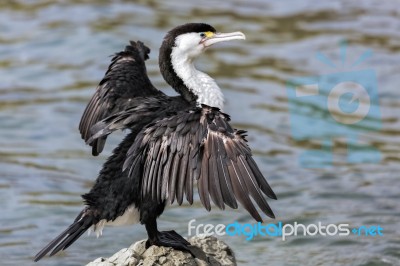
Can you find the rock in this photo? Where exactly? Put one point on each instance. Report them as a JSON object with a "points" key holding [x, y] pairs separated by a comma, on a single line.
{"points": [[215, 249], [207, 249]]}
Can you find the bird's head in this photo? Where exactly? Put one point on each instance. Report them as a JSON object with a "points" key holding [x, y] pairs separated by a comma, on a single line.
{"points": [[193, 38], [180, 47]]}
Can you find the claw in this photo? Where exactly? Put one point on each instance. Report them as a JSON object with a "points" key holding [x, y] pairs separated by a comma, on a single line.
{"points": [[170, 239]]}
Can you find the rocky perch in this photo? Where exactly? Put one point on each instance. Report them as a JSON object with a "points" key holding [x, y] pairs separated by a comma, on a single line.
{"points": [[208, 250]]}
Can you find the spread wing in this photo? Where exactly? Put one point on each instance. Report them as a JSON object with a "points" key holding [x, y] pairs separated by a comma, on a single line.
{"points": [[170, 154], [125, 79], [142, 111]]}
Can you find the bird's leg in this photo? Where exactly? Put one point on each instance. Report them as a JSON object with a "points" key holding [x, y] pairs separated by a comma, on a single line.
{"points": [[165, 238], [157, 238]]}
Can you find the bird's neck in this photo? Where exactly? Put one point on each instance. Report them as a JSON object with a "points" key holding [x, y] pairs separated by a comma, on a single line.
{"points": [[201, 84], [179, 71]]}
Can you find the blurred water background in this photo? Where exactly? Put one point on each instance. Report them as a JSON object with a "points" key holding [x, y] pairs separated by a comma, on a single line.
{"points": [[53, 54]]}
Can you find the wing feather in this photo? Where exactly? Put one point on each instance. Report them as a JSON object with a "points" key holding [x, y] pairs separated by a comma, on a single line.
{"points": [[174, 155], [241, 193], [260, 179], [213, 174], [173, 177], [125, 79], [252, 186], [166, 176], [189, 184], [203, 185], [156, 184], [226, 183]]}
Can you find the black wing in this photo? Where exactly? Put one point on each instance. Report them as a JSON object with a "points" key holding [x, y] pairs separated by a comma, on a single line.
{"points": [[125, 79], [198, 145], [142, 111]]}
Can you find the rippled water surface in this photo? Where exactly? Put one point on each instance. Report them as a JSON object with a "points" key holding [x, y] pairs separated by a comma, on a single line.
{"points": [[52, 55]]}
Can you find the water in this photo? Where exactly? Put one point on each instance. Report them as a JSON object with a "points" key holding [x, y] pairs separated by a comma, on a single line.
{"points": [[52, 55]]}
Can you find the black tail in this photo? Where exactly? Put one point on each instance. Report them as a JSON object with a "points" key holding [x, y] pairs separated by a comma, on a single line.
{"points": [[82, 223]]}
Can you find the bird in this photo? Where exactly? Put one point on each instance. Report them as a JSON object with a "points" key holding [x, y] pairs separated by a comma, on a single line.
{"points": [[173, 143]]}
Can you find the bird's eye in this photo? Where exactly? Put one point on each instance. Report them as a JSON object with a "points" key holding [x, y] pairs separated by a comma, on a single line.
{"points": [[202, 34]]}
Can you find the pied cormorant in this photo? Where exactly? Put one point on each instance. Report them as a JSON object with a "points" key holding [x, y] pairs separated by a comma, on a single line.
{"points": [[173, 142]]}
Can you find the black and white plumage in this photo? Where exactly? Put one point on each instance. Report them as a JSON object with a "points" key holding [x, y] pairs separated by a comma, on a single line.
{"points": [[174, 143]]}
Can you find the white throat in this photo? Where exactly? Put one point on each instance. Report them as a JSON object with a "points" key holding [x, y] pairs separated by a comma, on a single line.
{"points": [[196, 81]]}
